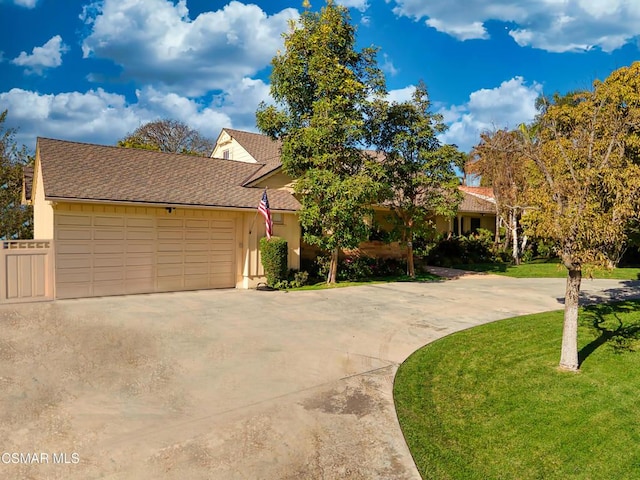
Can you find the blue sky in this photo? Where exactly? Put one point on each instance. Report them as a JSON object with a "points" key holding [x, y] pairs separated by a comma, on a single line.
{"points": [[94, 71]]}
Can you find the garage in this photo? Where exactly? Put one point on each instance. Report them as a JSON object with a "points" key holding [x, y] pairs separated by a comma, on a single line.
{"points": [[125, 250]]}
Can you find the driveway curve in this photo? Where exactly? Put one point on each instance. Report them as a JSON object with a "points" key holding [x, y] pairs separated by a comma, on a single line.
{"points": [[234, 384]]}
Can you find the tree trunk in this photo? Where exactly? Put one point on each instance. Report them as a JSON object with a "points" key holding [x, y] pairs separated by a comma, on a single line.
{"points": [[569, 353], [410, 266], [333, 266], [514, 238]]}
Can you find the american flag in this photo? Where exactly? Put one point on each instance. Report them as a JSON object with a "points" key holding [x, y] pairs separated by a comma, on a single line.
{"points": [[263, 208]]}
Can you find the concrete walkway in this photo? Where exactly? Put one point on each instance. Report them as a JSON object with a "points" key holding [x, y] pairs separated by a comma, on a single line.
{"points": [[234, 384]]}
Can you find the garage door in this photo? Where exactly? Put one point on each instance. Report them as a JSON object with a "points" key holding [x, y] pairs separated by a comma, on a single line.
{"points": [[99, 254]]}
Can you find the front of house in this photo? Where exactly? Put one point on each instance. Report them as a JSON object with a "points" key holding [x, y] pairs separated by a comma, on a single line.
{"points": [[127, 221]]}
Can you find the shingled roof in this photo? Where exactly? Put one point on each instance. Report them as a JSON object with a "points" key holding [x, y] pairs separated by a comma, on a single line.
{"points": [[265, 150], [81, 171]]}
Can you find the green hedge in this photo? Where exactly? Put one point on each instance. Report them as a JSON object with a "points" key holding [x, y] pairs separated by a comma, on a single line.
{"points": [[274, 254]]}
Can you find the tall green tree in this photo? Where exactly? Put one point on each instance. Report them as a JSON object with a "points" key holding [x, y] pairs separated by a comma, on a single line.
{"points": [[586, 181], [322, 86], [418, 171], [171, 136], [16, 220]]}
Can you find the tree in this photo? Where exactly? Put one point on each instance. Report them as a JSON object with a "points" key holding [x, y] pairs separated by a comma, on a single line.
{"points": [[322, 86], [418, 170], [16, 220], [498, 160], [586, 181], [170, 136]]}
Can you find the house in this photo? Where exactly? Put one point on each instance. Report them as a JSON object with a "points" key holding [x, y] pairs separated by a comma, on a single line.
{"points": [[138, 221]]}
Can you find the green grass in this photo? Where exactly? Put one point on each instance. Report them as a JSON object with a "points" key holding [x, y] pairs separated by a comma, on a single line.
{"points": [[490, 403], [549, 270], [420, 277]]}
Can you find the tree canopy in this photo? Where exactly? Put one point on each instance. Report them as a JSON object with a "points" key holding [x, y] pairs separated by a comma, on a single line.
{"points": [[585, 184], [16, 220], [419, 172], [171, 136], [321, 85]]}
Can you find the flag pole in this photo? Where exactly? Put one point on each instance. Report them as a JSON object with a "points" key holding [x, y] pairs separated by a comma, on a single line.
{"points": [[255, 216]]}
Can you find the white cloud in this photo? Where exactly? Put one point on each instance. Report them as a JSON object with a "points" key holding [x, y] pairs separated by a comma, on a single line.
{"points": [[47, 56], [506, 106], [361, 5], [387, 66], [401, 95], [552, 25], [26, 3], [101, 117], [155, 42]]}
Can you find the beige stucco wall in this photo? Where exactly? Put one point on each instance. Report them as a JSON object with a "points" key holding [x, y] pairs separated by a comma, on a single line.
{"points": [[42, 209], [254, 230]]}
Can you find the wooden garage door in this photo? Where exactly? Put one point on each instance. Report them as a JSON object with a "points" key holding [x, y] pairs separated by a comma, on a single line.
{"points": [[100, 254]]}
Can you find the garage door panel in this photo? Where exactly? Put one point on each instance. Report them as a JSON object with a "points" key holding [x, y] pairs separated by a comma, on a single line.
{"points": [[80, 220], [196, 223], [108, 221], [101, 274], [148, 235], [145, 259], [108, 261], [73, 234], [170, 235], [139, 273], [165, 259], [73, 275], [170, 246], [170, 223], [169, 270], [196, 269], [73, 248], [147, 222], [196, 235], [102, 247], [196, 246], [140, 248], [107, 288], [105, 254]]}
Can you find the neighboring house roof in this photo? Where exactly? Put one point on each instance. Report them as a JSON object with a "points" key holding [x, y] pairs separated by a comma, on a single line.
{"points": [[27, 183], [262, 148], [80, 171], [477, 200]]}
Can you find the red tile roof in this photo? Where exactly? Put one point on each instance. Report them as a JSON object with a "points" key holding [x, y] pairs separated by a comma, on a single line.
{"points": [[80, 171]]}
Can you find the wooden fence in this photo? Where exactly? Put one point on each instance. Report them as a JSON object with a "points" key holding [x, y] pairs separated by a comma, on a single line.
{"points": [[27, 271]]}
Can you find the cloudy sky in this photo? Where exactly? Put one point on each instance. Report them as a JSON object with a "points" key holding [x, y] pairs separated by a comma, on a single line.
{"points": [[94, 71]]}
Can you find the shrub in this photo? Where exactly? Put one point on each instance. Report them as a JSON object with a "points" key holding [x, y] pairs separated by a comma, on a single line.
{"points": [[274, 256]]}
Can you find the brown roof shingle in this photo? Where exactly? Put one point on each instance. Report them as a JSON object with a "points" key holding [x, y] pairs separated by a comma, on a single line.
{"points": [[83, 171]]}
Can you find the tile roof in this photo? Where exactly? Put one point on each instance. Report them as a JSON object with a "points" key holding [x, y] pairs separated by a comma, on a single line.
{"points": [[83, 171], [265, 150], [474, 202], [481, 191]]}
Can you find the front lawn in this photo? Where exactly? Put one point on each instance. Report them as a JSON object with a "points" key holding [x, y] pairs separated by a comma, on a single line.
{"points": [[489, 403], [548, 270]]}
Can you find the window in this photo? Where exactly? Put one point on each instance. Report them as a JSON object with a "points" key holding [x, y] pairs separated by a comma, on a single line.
{"points": [[226, 154], [277, 218], [475, 224]]}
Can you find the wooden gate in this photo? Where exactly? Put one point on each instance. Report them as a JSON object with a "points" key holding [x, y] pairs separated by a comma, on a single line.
{"points": [[27, 271]]}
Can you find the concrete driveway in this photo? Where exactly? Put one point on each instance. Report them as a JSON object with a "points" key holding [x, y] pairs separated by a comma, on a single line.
{"points": [[232, 384]]}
